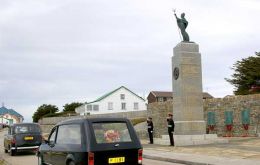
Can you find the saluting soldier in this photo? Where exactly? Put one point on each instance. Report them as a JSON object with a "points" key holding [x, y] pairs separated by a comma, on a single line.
{"points": [[171, 126], [150, 129]]}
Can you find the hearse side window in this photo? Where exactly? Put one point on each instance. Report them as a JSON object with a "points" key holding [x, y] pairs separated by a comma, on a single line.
{"points": [[69, 134], [111, 132], [52, 136]]}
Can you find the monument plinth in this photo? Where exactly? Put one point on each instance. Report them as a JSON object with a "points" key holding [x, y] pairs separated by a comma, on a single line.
{"points": [[187, 90], [188, 114]]}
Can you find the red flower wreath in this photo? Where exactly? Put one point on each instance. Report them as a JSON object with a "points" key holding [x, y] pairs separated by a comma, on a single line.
{"points": [[111, 136], [229, 127], [245, 126]]}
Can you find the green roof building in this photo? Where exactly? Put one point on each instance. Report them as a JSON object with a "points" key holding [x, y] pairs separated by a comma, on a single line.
{"points": [[10, 116], [119, 100]]}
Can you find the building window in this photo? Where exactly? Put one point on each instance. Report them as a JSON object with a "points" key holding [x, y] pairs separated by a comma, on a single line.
{"points": [[95, 107], [123, 106], [86, 113], [160, 99], [89, 107], [136, 106], [110, 106], [122, 96]]}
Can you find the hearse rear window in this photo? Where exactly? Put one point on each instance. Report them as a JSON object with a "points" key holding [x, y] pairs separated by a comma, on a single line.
{"points": [[26, 128], [111, 132]]}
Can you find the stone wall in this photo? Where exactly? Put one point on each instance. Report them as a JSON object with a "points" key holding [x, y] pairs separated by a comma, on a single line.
{"points": [[159, 111], [48, 123], [235, 104]]}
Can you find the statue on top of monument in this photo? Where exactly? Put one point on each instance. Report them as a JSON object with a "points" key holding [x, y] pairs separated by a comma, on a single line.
{"points": [[182, 24]]}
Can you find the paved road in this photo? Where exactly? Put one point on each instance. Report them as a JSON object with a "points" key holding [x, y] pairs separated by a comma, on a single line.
{"points": [[156, 162], [29, 158], [21, 159]]}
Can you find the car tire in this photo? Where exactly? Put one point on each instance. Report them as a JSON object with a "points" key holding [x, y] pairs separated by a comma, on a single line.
{"points": [[12, 152], [71, 163]]}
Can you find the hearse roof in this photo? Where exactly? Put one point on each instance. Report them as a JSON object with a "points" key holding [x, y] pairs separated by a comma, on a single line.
{"points": [[100, 119]]}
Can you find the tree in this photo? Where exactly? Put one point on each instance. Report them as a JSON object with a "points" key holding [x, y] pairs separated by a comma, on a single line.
{"points": [[44, 110], [71, 107], [246, 78]]}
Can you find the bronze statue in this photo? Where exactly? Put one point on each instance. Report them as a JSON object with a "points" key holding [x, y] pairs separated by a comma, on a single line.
{"points": [[182, 24]]}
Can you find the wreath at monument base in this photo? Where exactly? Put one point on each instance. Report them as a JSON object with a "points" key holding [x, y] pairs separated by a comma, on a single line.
{"points": [[229, 127], [211, 127], [246, 126]]}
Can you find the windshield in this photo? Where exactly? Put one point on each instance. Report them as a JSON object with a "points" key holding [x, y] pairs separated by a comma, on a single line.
{"points": [[111, 132], [27, 128]]}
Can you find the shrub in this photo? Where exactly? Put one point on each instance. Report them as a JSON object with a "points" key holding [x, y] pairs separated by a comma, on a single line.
{"points": [[138, 120]]}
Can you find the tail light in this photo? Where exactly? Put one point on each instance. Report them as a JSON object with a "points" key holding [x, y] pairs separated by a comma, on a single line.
{"points": [[140, 156], [90, 158]]}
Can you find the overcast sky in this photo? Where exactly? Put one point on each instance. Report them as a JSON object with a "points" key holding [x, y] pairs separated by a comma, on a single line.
{"points": [[63, 51]]}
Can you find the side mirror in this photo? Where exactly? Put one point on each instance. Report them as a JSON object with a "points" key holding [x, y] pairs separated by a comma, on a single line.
{"points": [[51, 143]]}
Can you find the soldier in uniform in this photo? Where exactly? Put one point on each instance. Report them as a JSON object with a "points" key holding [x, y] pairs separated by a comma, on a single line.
{"points": [[150, 129], [170, 128]]}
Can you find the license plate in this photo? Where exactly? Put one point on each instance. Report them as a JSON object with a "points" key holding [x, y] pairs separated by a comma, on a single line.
{"points": [[116, 160], [28, 138]]}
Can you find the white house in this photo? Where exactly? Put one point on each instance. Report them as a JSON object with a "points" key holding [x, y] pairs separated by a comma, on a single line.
{"points": [[118, 100]]}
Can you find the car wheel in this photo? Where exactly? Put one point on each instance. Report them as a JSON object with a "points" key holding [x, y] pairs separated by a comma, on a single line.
{"points": [[71, 163], [12, 152]]}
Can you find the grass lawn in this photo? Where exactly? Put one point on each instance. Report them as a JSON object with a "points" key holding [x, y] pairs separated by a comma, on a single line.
{"points": [[2, 162]]}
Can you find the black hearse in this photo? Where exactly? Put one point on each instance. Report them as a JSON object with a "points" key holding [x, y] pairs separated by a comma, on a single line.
{"points": [[92, 141], [22, 137]]}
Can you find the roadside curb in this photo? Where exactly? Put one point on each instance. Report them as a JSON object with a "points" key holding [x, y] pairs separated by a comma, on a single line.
{"points": [[173, 160]]}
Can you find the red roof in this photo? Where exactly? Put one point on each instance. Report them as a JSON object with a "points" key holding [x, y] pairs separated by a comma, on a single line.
{"points": [[161, 93]]}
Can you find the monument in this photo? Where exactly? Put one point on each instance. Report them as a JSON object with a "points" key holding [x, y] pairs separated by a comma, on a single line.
{"points": [[188, 115], [187, 85]]}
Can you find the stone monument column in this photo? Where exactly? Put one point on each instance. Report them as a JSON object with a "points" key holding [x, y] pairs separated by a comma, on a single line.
{"points": [[188, 112]]}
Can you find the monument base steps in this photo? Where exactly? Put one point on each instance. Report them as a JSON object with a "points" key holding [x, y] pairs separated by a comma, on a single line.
{"points": [[190, 140]]}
